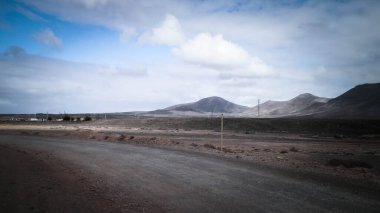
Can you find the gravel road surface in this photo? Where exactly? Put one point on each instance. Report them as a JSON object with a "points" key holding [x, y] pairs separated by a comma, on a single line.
{"points": [[61, 175]]}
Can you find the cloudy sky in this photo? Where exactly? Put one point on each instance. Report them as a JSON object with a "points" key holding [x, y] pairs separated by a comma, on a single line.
{"points": [[112, 56]]}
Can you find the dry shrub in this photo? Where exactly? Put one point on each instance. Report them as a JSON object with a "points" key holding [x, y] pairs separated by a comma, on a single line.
{"points": [[209, 146], [348, 163], [227, 150], [293, 149], [121, 137], [370, 152]]}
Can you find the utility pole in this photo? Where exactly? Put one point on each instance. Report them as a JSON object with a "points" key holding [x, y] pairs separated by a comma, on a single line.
{"points": [[221, 133], [258, 108], [105, 116]]}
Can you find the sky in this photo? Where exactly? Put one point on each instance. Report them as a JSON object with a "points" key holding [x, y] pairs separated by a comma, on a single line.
{"points": [[79, 56]]}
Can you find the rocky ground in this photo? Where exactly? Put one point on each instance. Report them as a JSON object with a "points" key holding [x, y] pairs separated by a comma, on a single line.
{"points": [[352, 159]]}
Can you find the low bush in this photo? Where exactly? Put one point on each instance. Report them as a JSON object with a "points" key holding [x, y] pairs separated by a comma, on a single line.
{"points": [[209, 146], [227, 150], [348, 163], [121, 137], [66, 117]]}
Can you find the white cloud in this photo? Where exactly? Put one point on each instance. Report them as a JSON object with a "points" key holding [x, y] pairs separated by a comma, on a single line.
{"points": [[48, 38], [93, 3], [39, 84], [7, 103], [218, 53], [29, 14], [117, 71], [113, 14], [207, 50], [212, 51], [126, 33], [295, 38], [169, 33]]}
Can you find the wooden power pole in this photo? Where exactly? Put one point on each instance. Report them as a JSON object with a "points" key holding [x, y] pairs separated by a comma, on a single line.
{"points": [[258, 108], [221, 133]]}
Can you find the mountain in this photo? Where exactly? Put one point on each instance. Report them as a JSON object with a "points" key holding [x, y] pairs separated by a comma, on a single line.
{"points": [[209, 105], [286, 108], [361, 102]]}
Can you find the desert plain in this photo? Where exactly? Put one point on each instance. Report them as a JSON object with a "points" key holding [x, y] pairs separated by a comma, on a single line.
{"points": [[337, 154]]}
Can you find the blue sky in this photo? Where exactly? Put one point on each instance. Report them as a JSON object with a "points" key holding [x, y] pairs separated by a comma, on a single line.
{"points": [[112, 56]]}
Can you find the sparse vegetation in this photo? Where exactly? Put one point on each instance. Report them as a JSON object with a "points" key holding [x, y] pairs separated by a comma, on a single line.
{"points": [[209, 146], [227, 150], [87, 118], [348, 163], [370, 152], [66, 117], [121, 137]]}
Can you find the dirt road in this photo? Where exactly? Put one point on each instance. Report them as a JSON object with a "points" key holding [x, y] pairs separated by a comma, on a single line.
{"points": [[44, 175]]}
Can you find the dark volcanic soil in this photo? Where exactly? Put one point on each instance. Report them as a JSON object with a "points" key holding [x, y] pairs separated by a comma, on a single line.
{"points": [[306, 146], [347, 152], [40, 174], [37, 181]]}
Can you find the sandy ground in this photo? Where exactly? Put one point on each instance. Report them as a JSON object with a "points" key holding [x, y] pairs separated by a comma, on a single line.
{"points": [[352, 160]]}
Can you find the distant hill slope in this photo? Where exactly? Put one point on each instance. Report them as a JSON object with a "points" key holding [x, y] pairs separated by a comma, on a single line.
{"points": [[210, 105], [286, 108], [362, 102]]}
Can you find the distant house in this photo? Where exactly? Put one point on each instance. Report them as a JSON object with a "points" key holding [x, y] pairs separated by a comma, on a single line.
{"points": [[38, 119]]}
